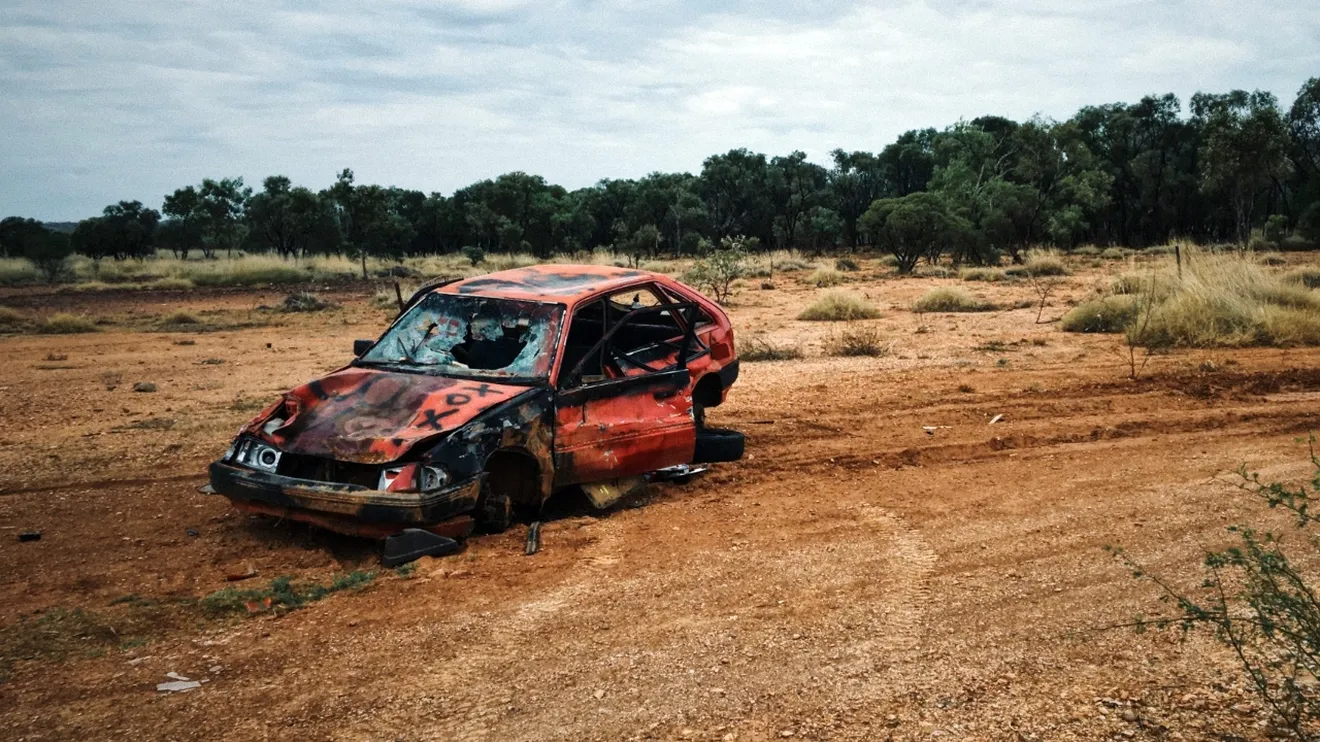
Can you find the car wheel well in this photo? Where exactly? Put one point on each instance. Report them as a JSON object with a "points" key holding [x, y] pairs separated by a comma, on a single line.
{"points": [[516, 474], [709, 391]]}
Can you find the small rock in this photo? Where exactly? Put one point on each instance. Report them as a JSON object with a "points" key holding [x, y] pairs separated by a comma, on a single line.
{"points": [[144, 386], [599, 694], [29, 536], [786, 733], [215, 669], [1128, 715], [177, 686], [193, 532]]}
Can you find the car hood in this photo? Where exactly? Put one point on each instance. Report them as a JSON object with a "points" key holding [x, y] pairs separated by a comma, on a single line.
{"points": [[370, 416]]}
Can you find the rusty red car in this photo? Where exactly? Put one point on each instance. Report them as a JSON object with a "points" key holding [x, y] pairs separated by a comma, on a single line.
{"points": [[485, 396]]}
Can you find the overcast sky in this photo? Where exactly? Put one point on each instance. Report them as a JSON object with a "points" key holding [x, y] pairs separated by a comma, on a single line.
{"points": [[105, 101]]}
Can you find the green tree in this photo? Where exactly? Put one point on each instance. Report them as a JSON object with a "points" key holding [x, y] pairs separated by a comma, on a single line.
{"points": [[16, 232], [49, 251], [182, 231], [1244, 151], [856, 181], [911, 227]]}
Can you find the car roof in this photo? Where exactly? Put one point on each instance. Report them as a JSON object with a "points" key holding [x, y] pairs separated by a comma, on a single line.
{"points": [[554, 282]]}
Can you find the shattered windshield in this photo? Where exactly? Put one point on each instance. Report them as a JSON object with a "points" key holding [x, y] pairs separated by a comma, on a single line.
{"points": [[451, 335]]}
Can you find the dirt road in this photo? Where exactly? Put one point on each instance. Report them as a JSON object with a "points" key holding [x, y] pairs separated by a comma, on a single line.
{"points": [[885, 563]]}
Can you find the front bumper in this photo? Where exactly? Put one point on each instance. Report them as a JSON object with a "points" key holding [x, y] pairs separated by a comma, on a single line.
{"points": [[345, 500]]}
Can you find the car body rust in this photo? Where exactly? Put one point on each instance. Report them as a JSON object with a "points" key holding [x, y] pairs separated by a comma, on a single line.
{"points": [[487, 395]]}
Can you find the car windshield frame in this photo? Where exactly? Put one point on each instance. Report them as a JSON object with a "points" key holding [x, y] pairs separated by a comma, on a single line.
{"points": [[421, 333]]}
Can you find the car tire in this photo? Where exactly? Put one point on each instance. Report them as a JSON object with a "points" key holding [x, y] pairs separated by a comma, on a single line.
{"points": [[717, 444]]}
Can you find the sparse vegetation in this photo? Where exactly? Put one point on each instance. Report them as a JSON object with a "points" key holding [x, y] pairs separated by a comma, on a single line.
{"points": [[951, 299], [1113, 253], [856, 339], [845, 264], [1260, 603], [839, 306], [760, 348], [65, 323], [282, 594]]}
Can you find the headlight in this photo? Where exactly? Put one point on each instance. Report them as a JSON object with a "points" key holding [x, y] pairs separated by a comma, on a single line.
{"points": [[257, 455], [387, 477], [431, 478]]}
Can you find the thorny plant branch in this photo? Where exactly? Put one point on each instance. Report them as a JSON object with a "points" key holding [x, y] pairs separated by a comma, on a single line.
{"points": [[1259, 605]]}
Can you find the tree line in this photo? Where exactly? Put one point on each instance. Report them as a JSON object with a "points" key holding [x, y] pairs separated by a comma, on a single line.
{"points": [[1133, 175]]}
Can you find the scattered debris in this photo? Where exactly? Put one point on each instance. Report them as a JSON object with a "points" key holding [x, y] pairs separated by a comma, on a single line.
{"points": [[996, 419], [212, 361], [533, 539], [304, 302], [206, 489], [144, 386], [194, 532], [29, 536], [413, 544], [681, 474], [177, 684]]}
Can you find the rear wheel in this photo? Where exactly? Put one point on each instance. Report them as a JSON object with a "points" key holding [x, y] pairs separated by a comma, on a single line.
{"points": [[717, 444]]}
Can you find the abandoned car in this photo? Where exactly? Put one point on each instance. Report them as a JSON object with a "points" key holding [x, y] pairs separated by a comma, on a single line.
{"points": [[488, 394]]}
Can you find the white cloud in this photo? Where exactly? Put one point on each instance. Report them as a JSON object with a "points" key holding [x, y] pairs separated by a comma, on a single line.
{"points": [[102, 102]]}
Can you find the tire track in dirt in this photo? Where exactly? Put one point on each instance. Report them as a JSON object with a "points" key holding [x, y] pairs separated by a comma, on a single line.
{"points": [[835, 611]]}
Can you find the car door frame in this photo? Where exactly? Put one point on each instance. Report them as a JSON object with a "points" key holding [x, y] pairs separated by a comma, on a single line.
{"points": [[671, 444]]}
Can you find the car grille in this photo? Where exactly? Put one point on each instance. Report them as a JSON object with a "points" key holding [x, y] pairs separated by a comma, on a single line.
{"points": [[328, 470]]}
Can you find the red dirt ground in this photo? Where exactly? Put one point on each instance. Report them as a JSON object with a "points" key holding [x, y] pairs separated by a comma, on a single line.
{"points": [[854, 577]]}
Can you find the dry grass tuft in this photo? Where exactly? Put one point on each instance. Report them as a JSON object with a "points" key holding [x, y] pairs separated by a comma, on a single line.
{"points": [[1230, 300], [1104, 314], [1308, 277], [839, 306], [951, 299], [990, 275], [1045, 263], [825, 277], [181, 319], [11, 318], [857, 340], [64, 323], [760, 348]]}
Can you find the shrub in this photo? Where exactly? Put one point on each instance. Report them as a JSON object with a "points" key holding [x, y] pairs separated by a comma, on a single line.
{"points": [[1255, 599], [1158, 250], [888, 261], [823, 278], [837, 306], [760, 348], [991, 275], [10, 318], [1045, 263], [1157, 285], [474, 255], [1272, 258], [181, 318], [64, 323], [17, 271], [857, 340], [1105, 314], [845, 264], [1088, 251], [716, 273], [1113, 253], [951, 299]]}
